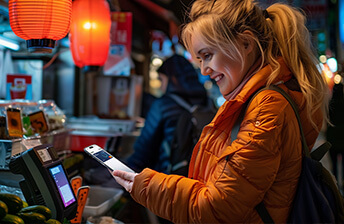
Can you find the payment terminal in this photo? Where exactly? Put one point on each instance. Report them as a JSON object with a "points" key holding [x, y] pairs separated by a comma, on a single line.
{"points": [[45, 181]]}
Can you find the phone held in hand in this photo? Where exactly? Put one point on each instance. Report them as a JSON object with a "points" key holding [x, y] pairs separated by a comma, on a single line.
{"points": [[106, 159]]}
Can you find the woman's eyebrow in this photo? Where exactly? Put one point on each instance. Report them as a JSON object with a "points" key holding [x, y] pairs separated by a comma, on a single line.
{"points": [[201, 50]]}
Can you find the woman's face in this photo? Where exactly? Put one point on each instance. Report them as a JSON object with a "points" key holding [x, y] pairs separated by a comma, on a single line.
{"points": [[226, 72]]}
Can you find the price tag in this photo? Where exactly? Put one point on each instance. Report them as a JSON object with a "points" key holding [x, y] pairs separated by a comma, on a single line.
{"points": [[14, 122], [38, 122], [76, 183], [82, 199]]}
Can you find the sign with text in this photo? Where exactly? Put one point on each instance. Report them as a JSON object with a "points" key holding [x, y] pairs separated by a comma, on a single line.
{"points": [[118, 61], [18, 86]]}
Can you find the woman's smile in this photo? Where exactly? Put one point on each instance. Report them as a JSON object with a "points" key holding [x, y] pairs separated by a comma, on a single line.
{"points": [[218, 77]]}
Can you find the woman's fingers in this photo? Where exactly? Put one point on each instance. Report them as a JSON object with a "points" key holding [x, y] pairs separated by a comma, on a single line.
{"points": [[125, 184], [124, 175], [125, 179]]}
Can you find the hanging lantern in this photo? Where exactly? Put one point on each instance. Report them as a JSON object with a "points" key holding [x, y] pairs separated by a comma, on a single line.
{"points": [[90, 32], [40, 22]]}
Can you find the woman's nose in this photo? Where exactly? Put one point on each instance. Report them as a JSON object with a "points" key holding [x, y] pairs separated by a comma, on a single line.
{"points": [[205, 70]]}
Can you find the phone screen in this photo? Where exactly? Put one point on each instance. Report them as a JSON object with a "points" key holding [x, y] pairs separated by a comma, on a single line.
{"points": [[103, 156], [106, 158]]}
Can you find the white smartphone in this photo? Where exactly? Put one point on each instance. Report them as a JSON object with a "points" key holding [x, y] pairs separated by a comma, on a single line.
{"points": [[106, 158]]}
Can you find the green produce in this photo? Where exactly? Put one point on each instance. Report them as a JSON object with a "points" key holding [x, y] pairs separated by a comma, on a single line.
{"points": [[53, 221], [32, 217], [12, 219], [3, 209], [38, 209], [25, 204], [13, 202]]}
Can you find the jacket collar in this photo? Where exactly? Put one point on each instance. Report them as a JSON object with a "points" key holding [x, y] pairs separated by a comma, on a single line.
{"points": [[256, 82], [259, 80]]}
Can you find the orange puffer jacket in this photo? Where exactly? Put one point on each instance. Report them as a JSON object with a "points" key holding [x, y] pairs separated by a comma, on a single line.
{"points": [[227, 180]]}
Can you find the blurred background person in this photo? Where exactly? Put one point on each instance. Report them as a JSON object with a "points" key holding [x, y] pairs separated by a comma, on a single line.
{"points": [[179, 77], [335, 132]]}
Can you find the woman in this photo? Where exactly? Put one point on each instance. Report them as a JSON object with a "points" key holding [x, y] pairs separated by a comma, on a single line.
{"points": [[243, 48]]}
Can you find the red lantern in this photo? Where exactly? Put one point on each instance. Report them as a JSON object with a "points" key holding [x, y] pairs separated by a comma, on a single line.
{"points": [[90, 32], [40, 22]]}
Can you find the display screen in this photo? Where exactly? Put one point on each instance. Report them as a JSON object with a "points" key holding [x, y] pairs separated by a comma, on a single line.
{"points": [[103, 156], [62, 184]]}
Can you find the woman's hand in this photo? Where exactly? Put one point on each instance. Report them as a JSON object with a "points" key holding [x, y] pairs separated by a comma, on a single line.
{"points": [[126, 179]]}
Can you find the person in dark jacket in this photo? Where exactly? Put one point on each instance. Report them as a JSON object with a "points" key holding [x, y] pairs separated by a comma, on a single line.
{"points": [[163, 114], [335, 131]]}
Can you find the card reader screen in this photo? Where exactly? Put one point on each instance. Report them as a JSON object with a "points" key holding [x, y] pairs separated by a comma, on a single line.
{"points": [[62, 184]]}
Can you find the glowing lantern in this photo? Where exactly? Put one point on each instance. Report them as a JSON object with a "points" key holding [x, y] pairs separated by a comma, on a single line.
{"points": [[90, 32], [40, 22]]}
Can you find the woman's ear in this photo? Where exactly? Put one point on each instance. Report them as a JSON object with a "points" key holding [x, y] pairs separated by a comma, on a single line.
{"points": [[247, 40]]}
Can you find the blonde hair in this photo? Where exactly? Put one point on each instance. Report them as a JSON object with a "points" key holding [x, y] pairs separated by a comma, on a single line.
{"points": [[283, 33]]}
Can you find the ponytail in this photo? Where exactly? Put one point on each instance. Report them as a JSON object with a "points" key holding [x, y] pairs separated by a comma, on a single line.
{"points": [[294, 44]]}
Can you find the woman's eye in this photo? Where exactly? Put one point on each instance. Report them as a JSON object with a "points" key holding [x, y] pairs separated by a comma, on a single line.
{"points": [[206, 56]]}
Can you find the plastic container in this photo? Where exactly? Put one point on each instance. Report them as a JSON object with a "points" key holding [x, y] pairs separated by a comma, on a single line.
{"points": [[100, 200], [81, 139], [88, 131]]}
